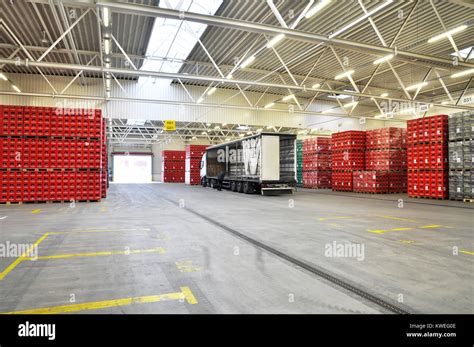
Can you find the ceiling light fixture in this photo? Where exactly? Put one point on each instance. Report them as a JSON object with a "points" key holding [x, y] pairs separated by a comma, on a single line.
{"points": [[106, 16], [380, 116], [344, 74], [448, 33], [247, 62], [462, 73], [383, 59], [275, 40], [384, 95], [327, 111], [317, 8], [360, 19], [351, 104], [212, 91], [200, 100], [107, 46], [316, 86], [416, 86], [269, 105], [3, 77], [16, 88], [288, 97]]}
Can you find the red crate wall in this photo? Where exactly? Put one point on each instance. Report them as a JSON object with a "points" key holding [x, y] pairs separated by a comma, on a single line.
{"points": [[50, 154], [428, 157], [348, 155], [172, 166], [194, 153], [317, 163]]}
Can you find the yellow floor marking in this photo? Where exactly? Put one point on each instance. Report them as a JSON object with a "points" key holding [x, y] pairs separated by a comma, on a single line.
{"points": [[382, 231], [103, 209], [434, 226], [184, 294], [23, 257], [95, 231], [99, 254], [397, 218], [327, 218], [407, 241], [400, 229], [36, 211], [187, 266], [467, 252]]}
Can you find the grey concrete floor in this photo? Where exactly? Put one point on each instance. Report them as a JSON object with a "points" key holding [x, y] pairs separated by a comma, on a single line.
{"points": [[159, 248]]}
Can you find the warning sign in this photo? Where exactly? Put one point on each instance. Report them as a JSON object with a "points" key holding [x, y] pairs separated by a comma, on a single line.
{"points": [[170, 125]]}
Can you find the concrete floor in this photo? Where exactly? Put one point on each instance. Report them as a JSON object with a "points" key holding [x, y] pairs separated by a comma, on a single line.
{"points": [[166, 259]]}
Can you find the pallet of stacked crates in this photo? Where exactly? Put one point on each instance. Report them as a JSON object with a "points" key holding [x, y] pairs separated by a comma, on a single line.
{"points": [[317, 163], [299, 163], [461, 156], [194, 155], [385, 162], [348, 155], [427, 152], [172, 166]]}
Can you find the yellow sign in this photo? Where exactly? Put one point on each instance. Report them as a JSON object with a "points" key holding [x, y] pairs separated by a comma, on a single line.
{"points": [[170, 125]]}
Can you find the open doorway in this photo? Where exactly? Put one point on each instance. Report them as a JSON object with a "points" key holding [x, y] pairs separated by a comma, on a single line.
{"points": [[132, 168]]}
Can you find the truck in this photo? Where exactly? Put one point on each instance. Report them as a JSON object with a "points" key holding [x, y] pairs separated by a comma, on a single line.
{"points": [[264, 163]]}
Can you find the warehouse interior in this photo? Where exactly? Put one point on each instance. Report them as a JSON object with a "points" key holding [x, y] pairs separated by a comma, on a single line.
{"points": [[107, 108]]}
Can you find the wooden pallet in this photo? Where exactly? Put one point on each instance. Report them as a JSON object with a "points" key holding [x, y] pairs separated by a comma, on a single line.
{"points": [[427, 197], [11, 203]]}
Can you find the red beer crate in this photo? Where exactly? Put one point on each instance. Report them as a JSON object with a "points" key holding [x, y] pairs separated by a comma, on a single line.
{"points": [[342, 181], [348, 140], [386, 159], [348, 160], [195, 151], [318, 179], [11, 120], [394, 138]]}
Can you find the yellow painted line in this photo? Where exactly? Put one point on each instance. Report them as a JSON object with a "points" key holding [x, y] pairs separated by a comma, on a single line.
{"points": [[188, 295], [97, 305], [396, 218], [159, 250], [23, 257], [467, 252], [187, 266], [434, 226], [407, 241], [103, 209], [382, 231], [401, 229], [328, 218], [36, 211], [95, 231]]}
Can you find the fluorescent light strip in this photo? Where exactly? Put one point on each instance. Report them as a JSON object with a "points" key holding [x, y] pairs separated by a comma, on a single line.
{"points": [[383, 59], [3, 77], [212, 91], [316, 86], [350, 104], [269, 105], [107, 46], [384, 95], [345, 74], [16, 88], [200, 100], [416, 86], [106, 16], [288, 97], [462, 73], [275, 40], [247, 62], [380, 116], [360, 19], [448, 33], [328, 111], [317, 8]]}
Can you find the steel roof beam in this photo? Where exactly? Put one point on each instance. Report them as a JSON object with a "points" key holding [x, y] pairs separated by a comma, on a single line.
{"points": [[298, 35]]}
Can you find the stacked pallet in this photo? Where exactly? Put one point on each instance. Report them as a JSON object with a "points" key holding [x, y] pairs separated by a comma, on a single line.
{"points": [[172, 166], [348, 155], [428, 157], [299, 163], [461, 156], [194, 155], [51, 154], [104, 180], [386, 162], [317, 163]]}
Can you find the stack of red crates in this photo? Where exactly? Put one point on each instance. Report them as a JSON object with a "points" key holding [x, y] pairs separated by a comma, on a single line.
{"points": [[428, 157], [386, 160], [50, 154], [348, 155], [317, 163], [104, 171], [194, 155], [172, 166]]}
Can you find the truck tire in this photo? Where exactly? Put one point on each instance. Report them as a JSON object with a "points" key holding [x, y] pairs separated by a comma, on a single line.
{"points": [[247, 188], [239, 187], [233, 186], [212, 184], [204, 182]]}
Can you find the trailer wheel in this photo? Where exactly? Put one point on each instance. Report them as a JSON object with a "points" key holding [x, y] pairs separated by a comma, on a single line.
{"points": [[239, 187], [212, 184], [247, 188], [233, 186]]}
